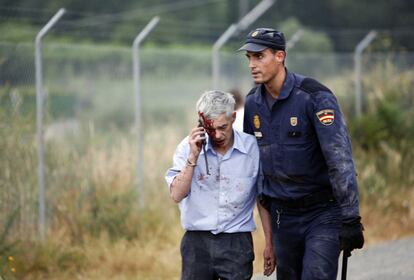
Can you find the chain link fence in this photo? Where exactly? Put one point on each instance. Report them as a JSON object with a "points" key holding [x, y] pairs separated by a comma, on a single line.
{"points": [[90, 103]]}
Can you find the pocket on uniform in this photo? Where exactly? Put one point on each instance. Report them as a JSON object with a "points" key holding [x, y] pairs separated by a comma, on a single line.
{"points": [[297, 159]]}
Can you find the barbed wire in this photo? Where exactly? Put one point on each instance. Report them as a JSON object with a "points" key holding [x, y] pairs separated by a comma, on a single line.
{"points": [[102, 26], [35, 11], [147, 12], [206, 26], [143, 14]]}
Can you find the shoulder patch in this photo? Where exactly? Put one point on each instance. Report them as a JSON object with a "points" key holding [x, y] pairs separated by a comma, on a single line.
{"points": [[326, 117], [313, 86]]}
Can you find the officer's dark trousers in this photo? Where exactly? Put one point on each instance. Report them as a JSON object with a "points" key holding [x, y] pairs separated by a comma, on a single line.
{"points": [[206, 256], [306, 241]]}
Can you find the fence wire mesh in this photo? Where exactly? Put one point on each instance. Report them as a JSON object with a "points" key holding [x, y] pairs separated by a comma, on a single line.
{"points": [[89, 118]]}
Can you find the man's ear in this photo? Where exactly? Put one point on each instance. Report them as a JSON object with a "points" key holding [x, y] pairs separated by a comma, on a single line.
{"points": [[280, 56], [233, 117]]}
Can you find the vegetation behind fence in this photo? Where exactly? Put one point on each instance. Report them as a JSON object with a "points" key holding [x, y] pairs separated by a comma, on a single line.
{"points": [[95, 228]]}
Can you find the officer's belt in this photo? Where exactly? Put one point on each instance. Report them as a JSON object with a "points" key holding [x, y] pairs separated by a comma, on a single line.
{"points": [[307, 200], [285, 179]]}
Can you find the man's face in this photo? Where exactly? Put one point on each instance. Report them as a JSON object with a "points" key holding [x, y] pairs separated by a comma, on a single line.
{"points": [[265, 65], [221, 131]]}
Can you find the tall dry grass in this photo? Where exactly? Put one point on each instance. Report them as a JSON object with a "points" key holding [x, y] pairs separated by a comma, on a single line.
{"points": [[82, 243], [96, 229], [383, 141]]}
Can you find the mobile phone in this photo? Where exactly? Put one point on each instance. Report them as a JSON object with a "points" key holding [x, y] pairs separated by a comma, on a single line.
{"points": [[203, 144], [200, 124]]}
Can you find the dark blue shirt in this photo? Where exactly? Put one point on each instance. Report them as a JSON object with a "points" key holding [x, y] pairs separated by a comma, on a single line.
{"points": [[304, 144]]}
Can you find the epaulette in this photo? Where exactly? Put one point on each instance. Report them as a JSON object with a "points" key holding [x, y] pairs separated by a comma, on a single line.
{"points": [[310, 85], [253, 90]]}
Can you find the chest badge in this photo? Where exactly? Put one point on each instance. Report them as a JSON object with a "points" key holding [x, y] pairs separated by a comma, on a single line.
{"points": [[326, 117], [256, 121], [293, 121], [258, 134]]}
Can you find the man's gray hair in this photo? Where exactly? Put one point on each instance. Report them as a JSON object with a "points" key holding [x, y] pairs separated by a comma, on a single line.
{"points": [[214, 103]]}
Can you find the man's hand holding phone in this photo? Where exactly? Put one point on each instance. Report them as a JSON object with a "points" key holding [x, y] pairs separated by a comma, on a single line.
{"points": [[196, 140]]}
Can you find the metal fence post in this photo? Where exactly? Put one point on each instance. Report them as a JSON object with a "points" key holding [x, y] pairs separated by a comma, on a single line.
{"points": [[39, 120], [137, 84], [248, 19], [294, 39], [216, 53], [292, 42], [362, 45]]}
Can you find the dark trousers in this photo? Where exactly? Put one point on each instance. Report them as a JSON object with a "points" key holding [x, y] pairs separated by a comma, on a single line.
{"points": [[226, 256], [306, 241]]}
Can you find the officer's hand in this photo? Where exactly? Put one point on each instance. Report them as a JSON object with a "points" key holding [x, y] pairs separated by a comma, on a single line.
{"points": [[351, 235], [265, 201], [269, 261]]}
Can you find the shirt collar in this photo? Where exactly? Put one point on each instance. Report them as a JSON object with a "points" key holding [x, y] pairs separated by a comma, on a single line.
{"points": [[238, 142], [208, 146], [287, 87]]}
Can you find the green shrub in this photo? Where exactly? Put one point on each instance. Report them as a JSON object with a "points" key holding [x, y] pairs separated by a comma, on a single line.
{"points": [[383, 136]]}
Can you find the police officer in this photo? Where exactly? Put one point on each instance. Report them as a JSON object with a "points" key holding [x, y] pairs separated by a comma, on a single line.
{"points": [[309, 179]]}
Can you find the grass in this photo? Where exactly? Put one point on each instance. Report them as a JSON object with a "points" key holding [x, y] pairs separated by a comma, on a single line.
{"points": [[83, 244], [96, 230]]}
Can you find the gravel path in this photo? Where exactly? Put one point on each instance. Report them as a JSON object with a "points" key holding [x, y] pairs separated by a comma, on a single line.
{"points": [[393, 260]]}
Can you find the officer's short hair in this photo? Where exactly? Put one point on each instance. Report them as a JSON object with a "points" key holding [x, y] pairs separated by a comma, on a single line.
{"points": [[214, 103]]}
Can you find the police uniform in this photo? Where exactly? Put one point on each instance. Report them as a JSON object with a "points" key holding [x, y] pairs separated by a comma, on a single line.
{"points": [[308, 174]]}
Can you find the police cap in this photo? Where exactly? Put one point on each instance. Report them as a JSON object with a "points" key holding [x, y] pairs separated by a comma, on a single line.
{"points": [[262, 38]]}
